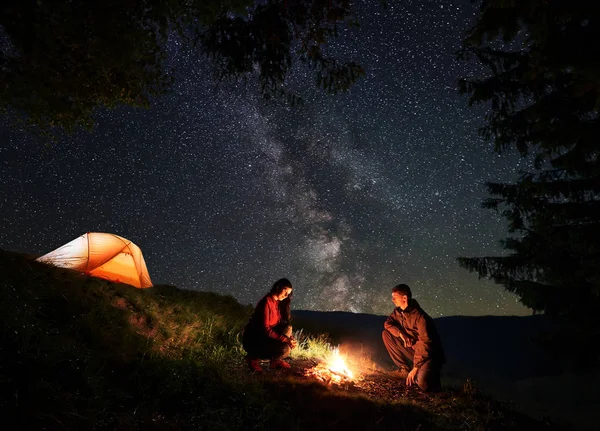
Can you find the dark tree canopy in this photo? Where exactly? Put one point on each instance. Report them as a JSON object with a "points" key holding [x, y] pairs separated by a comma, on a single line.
{"points": [[59, 60], [543, 89]]}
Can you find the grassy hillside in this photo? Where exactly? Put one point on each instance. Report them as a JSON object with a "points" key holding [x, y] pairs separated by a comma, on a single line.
{"points": [[83, 353]]}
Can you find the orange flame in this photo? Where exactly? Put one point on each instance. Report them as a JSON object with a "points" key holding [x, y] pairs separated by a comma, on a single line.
{"points": [[337, 364], [333, 370]]}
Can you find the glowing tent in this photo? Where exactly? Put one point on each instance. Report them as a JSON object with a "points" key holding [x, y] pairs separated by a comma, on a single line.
{"points": [[102, 255]]}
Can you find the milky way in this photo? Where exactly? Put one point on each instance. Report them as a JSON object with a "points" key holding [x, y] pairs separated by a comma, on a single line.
{"points": [[346, 195]]}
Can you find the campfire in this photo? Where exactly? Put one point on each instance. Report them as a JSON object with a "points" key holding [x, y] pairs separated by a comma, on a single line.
{"points": [[333, 370]]}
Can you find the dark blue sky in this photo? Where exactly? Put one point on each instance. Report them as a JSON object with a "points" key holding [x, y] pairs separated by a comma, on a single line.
{"points": [[346, 195]]}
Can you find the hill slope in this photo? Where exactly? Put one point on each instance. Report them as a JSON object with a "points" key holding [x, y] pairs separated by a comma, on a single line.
{"points": [[83, 353], [494, 352]]}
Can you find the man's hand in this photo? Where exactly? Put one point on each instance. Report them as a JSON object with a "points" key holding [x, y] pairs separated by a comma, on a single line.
{"points": [[410, 379], [293, 343], [406, 340]]}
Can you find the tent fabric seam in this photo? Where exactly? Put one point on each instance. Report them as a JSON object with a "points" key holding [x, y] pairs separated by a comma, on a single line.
{"points": [[127, 245], [103, 262]]}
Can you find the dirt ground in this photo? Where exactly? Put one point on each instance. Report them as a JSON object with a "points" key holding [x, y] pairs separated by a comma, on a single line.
{"points": [[376, 384], [457, 407]]}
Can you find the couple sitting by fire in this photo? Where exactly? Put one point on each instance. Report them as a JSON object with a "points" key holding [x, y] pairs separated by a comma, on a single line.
{"points": [[410, 336]]}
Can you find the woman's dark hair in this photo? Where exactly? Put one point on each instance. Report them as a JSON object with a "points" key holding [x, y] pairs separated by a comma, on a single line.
{"points": [[279, 285], [285, 310], [284, 305]]}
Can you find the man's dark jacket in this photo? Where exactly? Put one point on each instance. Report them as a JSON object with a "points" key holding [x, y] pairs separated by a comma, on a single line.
{"points": [[415, 324]]}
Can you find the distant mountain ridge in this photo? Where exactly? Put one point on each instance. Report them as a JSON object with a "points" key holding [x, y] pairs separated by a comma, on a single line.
{"points": [[485, 348]]}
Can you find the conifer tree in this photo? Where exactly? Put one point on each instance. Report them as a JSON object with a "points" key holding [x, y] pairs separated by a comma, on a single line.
{"points": [[543, 93]]}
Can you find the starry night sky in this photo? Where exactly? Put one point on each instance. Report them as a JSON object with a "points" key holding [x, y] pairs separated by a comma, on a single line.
{"points": [[346, 195]]}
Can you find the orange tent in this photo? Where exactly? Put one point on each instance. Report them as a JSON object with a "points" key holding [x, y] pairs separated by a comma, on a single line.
{"points": [[102, 255]]}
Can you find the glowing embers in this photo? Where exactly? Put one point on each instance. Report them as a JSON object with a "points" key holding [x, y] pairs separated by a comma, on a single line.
{"points": [[333, 370]]}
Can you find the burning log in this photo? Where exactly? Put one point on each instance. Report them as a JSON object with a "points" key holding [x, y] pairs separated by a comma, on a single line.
{"points": [[333, 371]]}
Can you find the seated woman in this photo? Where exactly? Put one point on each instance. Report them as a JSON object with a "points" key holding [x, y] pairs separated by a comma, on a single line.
{"points": [[268, 334]]}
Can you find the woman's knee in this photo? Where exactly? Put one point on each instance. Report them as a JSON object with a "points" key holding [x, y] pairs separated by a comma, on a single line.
{"points": [[283, 352]]}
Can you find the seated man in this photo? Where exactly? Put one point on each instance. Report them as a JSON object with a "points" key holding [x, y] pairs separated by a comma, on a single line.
{"points": [[412, 341]]}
